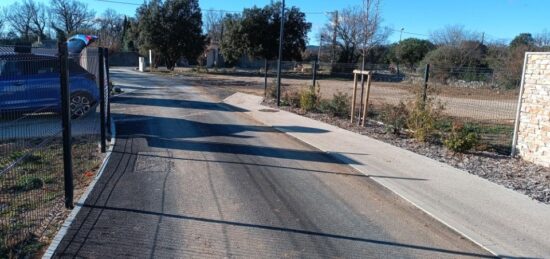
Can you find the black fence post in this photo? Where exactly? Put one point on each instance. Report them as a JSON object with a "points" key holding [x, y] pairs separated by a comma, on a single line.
{"points": [[102, 99], [314, 73], [265, 78], [109, 90], [66, 123], [425, 88]]}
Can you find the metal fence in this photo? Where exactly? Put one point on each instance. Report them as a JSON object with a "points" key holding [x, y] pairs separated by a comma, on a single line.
{"points": [[470, 95], [51, 131]]}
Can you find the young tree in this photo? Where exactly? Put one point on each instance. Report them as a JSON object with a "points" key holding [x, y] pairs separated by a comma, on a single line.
{"points": [[256, 33], [73, 15], [357, 30], [172, 28], [373, 33]]}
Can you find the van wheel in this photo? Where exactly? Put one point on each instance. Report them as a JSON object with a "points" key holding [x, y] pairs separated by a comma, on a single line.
{"points": [[81, 105]]}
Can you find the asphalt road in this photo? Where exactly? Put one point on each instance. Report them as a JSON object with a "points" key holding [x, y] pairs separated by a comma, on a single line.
{"points": [[190, 177]]}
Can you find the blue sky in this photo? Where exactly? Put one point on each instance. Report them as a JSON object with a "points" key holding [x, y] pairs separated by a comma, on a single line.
{"points": [[498, 19]]}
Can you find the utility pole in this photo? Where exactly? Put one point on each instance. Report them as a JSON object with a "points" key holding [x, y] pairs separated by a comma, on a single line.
{"points": [[335, 25], [399, 53], [316, 62], [319, 50], [219, 47], [281, 38]]}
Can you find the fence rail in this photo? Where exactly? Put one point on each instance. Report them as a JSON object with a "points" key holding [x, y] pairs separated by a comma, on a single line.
{"points": [[39, 153]]}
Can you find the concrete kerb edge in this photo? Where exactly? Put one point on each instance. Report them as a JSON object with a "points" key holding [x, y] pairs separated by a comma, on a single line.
{"points": [[69, 220], [335, 156]]}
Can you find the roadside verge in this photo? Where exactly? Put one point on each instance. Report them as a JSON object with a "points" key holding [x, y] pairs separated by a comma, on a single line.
{"points": [[69, 220], [504, 222]]}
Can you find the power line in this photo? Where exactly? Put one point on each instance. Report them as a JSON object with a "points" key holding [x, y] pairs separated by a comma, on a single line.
{"points": [[410, 33], [118, 2], [213, 10]]}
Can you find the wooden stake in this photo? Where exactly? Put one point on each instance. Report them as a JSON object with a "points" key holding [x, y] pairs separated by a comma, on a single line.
{"points": [[354, 96], [366, 103]]}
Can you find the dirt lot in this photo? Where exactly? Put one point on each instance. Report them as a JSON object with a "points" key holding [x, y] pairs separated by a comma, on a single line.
{"points": [[482, 105]]}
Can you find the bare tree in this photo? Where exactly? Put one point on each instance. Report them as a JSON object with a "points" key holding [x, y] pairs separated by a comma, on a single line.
{"points": [[542, 40], [357, 29], [39, 19], [19, 16], [73, 15], [453, 35], [213, 24], [373, 33], [110, 27], [2, 21]]}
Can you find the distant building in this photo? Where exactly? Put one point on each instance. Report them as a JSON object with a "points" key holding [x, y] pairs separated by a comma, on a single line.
{"points": [[213, 55]]}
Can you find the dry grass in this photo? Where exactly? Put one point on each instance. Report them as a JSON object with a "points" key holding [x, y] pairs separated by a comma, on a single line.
{"points": [[32, 193], [481, 105]]}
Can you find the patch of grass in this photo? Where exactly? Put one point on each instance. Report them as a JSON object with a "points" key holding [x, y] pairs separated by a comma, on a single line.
{"points": [[27, 183], [50, 179], [446, 125], [34, 187], [24, 249]]}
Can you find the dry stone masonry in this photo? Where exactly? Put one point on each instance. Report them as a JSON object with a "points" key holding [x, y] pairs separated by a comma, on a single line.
{"points": [[533, 136]]}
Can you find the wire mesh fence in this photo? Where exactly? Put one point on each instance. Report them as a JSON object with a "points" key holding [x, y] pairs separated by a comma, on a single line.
{"points": [[31, 141], [473, 96]]}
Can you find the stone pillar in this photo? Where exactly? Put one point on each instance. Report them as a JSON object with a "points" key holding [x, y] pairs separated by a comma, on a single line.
{"points": [[533, 129]]}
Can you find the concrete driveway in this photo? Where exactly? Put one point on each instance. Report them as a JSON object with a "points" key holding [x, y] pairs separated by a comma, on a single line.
{"points": [[190, 177]]}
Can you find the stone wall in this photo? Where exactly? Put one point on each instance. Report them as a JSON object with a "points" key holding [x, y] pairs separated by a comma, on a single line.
{"points": [[533, 135]]}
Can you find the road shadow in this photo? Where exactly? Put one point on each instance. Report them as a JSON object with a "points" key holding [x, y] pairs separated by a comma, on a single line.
{"points": [[179, 133], [175, 103], [170, 128], [113, 222]]}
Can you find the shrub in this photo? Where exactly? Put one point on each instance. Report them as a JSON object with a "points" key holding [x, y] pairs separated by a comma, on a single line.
{"points": [[272, 89], [309, 98], [423, 117], [291, 98], [461, 138], [394, 117], [338, 106]]}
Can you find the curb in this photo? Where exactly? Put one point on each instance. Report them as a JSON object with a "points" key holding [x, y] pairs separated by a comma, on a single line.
{"points": [[69, 220]]}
